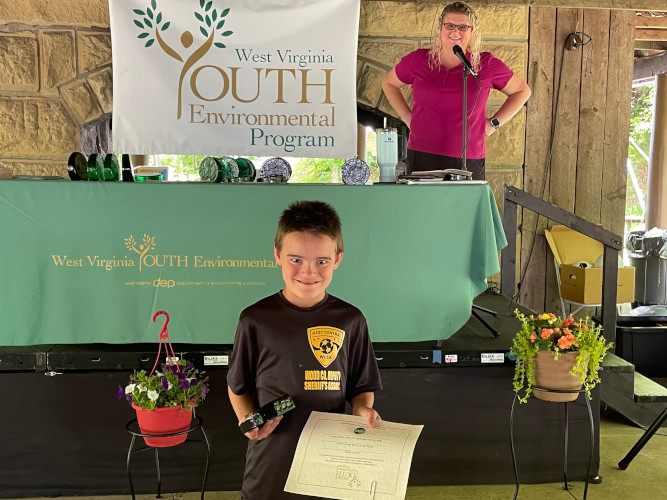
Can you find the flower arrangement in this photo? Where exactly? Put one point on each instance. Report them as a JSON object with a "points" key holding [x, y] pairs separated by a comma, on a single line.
{"points": [[179, 383], [548, 332]]}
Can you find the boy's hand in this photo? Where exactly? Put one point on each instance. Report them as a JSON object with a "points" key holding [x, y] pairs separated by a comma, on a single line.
{"points": [[369, 413], [262, 432]]}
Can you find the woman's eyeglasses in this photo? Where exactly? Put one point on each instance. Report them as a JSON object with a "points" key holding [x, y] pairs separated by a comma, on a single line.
{"points": [[460, 27]]}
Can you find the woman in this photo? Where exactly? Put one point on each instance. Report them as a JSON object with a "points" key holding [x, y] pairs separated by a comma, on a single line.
{"points": [[435, 74]]}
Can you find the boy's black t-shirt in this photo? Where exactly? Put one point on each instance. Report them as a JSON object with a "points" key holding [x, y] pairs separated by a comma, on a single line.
{"points": [[321, 356]]}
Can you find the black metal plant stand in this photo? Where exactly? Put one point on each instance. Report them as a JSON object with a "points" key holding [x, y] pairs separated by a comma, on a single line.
{"points": [[648, 434], [133, 428], [592, 438]]}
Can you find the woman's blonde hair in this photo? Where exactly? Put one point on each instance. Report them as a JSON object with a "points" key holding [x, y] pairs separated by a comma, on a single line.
{"points": [[474, 46]]}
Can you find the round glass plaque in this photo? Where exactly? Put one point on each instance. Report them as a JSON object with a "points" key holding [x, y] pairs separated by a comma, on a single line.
{"points": [[355, 172], [246, 168], [95, 167], [230, 169], [274, 167], [210, 169], [77, 167]]}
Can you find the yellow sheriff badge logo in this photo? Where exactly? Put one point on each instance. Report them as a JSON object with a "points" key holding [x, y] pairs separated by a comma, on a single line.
{"points": [[325, 342]]}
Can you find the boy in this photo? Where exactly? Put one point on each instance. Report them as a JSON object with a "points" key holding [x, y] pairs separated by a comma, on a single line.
{"points": [[300, 342]]}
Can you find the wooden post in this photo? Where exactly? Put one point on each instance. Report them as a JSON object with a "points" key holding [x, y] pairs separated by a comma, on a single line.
{"points": [[656, 206], [361, 141]]}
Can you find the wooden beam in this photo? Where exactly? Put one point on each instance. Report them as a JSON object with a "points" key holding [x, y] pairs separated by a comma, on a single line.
{"points": [[651, 22], [648, 67], [651, 35], [634, 5], [592, 107], [650, 45], [617, 121]]}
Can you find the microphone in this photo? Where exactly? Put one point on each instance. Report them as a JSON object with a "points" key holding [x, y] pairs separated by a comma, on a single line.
{"points": [[466, 64]]}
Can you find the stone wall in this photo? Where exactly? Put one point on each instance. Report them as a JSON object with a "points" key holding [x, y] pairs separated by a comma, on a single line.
{"points": [[55, 75], [389, 30]]}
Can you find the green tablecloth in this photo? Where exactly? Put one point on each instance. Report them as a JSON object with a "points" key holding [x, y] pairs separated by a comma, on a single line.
{"points": [[86, 262]]}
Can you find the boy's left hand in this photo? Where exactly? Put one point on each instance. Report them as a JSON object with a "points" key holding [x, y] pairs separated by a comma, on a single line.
{"points": [[369, 413]]}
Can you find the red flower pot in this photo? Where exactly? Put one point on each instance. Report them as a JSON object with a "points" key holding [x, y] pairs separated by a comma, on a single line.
{"points": [[163, 421]]}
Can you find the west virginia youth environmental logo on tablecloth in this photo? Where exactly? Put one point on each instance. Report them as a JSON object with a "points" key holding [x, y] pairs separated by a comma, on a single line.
{"points": [[235, 77]]}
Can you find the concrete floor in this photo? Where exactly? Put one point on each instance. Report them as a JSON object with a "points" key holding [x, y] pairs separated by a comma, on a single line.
{"points": [[644, 479]]}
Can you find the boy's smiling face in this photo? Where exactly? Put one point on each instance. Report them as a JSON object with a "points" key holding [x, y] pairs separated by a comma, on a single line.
{"points": [[308, 262]]}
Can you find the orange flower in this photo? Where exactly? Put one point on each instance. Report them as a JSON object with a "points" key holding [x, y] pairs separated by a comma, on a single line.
{"points": [[567, 331], [564, 342], [533, 337], [568, 321], [546, 332]]}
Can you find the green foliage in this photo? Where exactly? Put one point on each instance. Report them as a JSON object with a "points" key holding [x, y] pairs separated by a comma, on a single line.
{"points": [[548, 332], [170, 385], [640, 132], [316, 170], [182, 165]]}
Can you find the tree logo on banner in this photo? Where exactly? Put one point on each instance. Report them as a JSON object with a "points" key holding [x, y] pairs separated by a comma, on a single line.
{"points": [[211, 22], [142, 248]]}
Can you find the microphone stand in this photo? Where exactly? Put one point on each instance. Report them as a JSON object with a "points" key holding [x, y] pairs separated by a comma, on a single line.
{"points": [[464, 167], [463, 174]]}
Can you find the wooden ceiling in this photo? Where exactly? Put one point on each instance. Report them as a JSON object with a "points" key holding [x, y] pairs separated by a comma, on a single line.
{"points": [[650, 33], [650, 44]]}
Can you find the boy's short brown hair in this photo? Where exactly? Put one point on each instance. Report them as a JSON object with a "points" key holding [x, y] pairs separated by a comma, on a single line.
{"points": [[316, 217]]}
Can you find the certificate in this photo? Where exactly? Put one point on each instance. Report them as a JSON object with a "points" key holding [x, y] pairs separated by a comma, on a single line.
{"points": [[340, 456]]}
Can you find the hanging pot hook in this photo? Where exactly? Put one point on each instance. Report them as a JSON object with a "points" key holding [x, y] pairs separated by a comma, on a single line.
{"points": [[164, 334]]}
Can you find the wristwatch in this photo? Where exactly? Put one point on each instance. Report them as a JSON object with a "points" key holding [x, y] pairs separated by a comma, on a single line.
{"points": [[495, 123]]}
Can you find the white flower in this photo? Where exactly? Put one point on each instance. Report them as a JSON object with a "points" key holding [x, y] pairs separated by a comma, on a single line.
{"points": [[142, 388], [152, 395], [130, 388]]}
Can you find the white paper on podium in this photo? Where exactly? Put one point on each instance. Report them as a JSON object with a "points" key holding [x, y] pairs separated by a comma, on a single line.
{"points": [[340, 456]]}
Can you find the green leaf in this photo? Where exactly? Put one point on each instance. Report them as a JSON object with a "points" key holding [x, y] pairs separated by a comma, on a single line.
{"points": [[159, 18], [165, 26], [150, 13], [198, 16], [221, 45], [208, 21], [208, 6], [137, 11], [220, 24], [148, 23], [201, 28], [154, 4], [227, 33], [138, 23], [142, 35], [214, 15], [201, 3], [150, 42], [224, 13]]}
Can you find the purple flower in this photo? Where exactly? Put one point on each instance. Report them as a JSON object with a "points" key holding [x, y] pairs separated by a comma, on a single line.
{"points": [[165, 383], [184, 384], [121, 391]]}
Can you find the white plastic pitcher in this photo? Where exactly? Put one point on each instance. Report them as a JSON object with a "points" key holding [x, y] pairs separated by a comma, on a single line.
{"points": [[387, 149]]}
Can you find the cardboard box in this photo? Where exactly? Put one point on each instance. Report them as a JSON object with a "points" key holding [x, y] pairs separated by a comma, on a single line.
{"points": [[584, 284]]}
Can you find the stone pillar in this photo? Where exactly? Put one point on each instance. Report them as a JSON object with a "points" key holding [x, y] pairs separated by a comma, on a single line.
{"points": [[656, 203]]}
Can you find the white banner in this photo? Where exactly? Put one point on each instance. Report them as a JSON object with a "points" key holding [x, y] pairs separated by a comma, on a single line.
{"points": [[235, 77]]}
